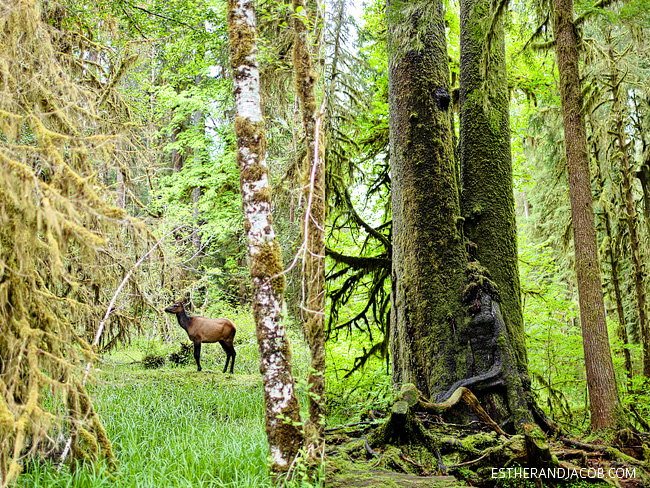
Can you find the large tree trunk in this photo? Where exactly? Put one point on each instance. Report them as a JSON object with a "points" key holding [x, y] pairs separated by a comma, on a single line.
{"points": [[428, 249], [601, 382], [487, 198], [282, 412], [437, 342], [313, 227]]}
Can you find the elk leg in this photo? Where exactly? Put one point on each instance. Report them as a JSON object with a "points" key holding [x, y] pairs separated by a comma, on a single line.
{"points": [[232, 353], [225, 349], [197, 355]]}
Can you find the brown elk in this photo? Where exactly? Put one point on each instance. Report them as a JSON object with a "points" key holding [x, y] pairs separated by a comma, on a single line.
{"points": [[201, 329]]}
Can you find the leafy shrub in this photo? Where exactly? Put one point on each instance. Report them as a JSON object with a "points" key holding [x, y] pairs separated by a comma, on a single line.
{"points": [[183, 356], [153, 361]]}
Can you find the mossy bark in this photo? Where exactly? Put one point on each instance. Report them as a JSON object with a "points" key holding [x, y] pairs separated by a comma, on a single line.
{"points": [[601, 382], [282, 411], [636, 250], [439, 343], [313, 226], [428, 249], [487, 199], [612, 256]]}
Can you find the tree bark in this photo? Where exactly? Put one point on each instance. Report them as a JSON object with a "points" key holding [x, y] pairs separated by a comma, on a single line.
{"points": [[313, 226], [437, 342], [487, 198], [428, 249], [282, 411], [612, 256], [177, 157], [630, 209], [601, 382], [120, 199]]}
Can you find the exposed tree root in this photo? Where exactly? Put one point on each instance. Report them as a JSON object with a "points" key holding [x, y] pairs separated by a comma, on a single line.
{"points": [[415, 442]]}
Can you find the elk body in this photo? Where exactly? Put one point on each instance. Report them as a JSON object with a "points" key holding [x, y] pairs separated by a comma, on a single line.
{"points": [[201, 329]]}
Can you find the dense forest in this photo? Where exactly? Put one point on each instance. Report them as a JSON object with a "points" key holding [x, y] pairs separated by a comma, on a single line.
{"points": [[301, 243]]}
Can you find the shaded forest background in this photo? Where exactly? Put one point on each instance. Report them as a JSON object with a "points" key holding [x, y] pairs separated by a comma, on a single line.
{"points": [[121, 193]]}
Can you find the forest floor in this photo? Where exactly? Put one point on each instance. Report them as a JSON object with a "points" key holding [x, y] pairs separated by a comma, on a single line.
{"points": [[174, 427]]}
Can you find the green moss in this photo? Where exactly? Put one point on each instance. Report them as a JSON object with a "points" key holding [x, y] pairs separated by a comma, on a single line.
{"points": [[267, 263], [263, 195], [254, 135], [254, 172], [242, 38], [479, 441]]}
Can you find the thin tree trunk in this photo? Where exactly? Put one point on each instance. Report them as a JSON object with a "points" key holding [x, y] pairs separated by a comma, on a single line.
{"points": [[601, 381], [196, 214], [199, 125], [612, 255], [314, 225], [282, 411], [120, 199], [644, 178], [622, 326], [177, 158], [630, 210]]}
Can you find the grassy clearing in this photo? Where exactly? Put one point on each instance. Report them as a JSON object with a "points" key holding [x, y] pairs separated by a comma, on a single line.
{"points": [[173, 428]]}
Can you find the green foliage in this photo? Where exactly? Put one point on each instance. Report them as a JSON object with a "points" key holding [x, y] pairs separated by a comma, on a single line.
{"points": [[171, 428], [352, 397], [152, 361], [183, 355]]}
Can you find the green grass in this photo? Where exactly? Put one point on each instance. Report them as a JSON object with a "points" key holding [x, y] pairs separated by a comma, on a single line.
{"points": [[175, 428]]}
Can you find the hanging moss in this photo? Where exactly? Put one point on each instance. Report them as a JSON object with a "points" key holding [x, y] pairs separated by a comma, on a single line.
{"points": [[255, 135], [55, 218]]}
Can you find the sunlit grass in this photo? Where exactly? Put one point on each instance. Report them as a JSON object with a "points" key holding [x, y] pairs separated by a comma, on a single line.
{"points": [[173, 428]]}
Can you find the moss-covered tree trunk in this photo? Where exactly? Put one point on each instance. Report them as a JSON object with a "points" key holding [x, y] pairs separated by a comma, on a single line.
{"points": [[613, 258], [313, 227], [447, 332], [487, 198], [636, 252], [601, 382], [282, 412], [428, 248]]}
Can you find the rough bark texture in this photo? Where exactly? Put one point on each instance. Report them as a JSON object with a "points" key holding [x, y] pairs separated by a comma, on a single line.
{"points": [[282, 412], [601, 382], [618, 296], [437, 342], [636, 251], [612, 257], [487, 199], [314, 224], [428, 248]]}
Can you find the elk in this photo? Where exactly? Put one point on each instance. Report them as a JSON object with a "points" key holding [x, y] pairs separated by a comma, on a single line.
{"points": [[201, 329]]}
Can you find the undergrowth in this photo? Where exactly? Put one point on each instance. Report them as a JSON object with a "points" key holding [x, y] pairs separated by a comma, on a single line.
{"points": [[174, 427]]}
